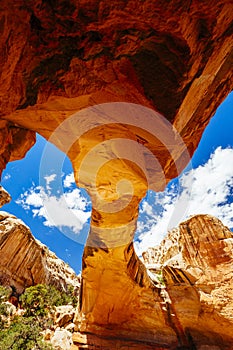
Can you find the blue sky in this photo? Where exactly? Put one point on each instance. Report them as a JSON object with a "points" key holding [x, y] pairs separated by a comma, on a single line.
{"points": [[206, 187]]}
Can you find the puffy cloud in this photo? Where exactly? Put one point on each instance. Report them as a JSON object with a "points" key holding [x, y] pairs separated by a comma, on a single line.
{"points": [[147, 208], [69, 180], [70, 209], [207, 189], [49, 179]]}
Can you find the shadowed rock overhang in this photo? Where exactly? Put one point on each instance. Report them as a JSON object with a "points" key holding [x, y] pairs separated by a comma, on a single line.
{"points": [[63, 58]]}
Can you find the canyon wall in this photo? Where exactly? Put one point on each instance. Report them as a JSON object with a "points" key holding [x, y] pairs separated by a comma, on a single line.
{"points": [[66, 66], [24, 261], [186, 291], [194, 263], [190, 281]]}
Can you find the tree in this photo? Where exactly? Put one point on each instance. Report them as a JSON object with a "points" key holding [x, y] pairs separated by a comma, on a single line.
{"points": [[4, 309], [24, 334], [35, 300], [4, 294], [40, 300]]}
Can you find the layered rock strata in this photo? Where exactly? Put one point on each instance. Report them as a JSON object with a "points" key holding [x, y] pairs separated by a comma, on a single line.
{"points": [[62, 57], [4, 197], [24, 261], [191, 279], [195, 263]]}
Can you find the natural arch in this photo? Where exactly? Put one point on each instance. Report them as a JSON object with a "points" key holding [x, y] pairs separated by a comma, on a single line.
{"points": [[60, 58]]}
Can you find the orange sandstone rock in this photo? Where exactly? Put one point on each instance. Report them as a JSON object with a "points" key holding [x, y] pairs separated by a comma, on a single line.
{"points": [[24, 261], [61, 57], [196, 262]]}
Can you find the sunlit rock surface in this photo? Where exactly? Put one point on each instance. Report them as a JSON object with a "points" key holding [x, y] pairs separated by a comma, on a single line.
{"points": [[196, 262], [62, 58], [58, 57], [4, 196], [24, 261]]}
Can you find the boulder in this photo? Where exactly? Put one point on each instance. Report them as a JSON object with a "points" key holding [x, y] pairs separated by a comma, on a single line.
{"points": [[61, 340], [64, 315]]}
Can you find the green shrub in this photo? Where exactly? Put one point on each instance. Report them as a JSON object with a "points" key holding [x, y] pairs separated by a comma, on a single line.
{"points": [[69, 297], [4, 309], [160, 278], [40, 300], [35, 300], [4, 294], [24, 334], [3, 316]]}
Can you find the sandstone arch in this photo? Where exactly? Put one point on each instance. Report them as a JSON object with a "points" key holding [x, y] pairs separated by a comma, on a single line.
{"points": [[59, 57]]}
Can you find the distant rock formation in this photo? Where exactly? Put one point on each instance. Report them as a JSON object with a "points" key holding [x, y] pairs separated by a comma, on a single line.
{"points": [[195, 262], [24, 261], [191, 279], [62, 57]]}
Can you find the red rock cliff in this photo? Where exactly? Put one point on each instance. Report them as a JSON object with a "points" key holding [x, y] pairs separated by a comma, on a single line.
{"points": [[60, 57], [195, 262]]}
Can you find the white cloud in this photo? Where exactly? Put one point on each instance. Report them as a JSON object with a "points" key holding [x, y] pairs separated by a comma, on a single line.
{"points": [[49, 179], [6, 177], [32, 198], [69, 209], [147, 208], [207, 189], [69, 180]]}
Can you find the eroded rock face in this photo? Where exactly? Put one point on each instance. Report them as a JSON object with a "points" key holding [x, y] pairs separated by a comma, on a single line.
{"points": [[121, 301], [14, 142], [64, 314], [92, 341], [60, 58], [24, 261], [4, 197], [196, 262]]}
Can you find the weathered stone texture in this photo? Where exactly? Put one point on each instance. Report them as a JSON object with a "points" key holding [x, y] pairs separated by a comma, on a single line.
{"points": [[196, 261], [58, 58], [24, 261]]}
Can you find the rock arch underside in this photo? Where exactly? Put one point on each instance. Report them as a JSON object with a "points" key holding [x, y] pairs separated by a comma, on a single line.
{"points": [[173, 61]]}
